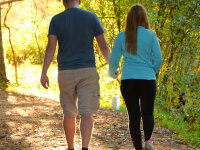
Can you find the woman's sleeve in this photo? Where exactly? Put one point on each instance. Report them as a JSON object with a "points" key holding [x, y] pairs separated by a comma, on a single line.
{"points": [[115, 56], [156, 54]]}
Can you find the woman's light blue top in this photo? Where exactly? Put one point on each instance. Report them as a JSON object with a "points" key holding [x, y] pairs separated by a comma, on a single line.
{"points": [[145, 64]]}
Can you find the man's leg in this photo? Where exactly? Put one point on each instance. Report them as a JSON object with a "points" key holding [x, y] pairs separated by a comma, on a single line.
{"points": [[88, 101], [68, 101], [86, 129], [69, 127]]}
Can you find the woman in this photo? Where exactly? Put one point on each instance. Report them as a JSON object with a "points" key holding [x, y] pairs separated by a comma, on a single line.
{"points": [[142, 60]]}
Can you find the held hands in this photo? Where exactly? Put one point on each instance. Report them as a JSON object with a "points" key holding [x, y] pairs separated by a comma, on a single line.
{"points": [[44, 81], [116, 74]]}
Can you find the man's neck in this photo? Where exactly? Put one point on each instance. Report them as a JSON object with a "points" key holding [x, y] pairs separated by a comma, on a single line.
{"points": [[72, 6]]}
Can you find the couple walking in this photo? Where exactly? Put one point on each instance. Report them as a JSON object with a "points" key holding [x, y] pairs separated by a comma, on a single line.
{"points": [[75, 29]]}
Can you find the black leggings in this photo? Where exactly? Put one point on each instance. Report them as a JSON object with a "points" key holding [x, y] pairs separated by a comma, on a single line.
{"points": [[132, 90]]}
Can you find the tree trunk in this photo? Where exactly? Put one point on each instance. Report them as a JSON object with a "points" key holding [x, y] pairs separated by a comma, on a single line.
{"points": [[11, 45], [3, 77]]}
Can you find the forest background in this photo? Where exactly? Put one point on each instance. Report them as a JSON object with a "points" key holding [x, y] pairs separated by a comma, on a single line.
{"points": [[24, 27]]}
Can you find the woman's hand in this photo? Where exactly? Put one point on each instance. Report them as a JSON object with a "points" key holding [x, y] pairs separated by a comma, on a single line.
{"points": [[116, 74]]}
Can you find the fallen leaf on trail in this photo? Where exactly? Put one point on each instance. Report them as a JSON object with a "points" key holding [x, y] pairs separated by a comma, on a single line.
{"points": [[106, 115]]}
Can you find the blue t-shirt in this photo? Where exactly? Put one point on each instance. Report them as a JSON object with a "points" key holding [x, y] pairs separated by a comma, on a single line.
{"points": [[145, 64], [75, 29]]}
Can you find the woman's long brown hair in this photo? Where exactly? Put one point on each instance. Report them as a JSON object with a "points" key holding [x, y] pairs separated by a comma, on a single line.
{"points": [[136, 17]]}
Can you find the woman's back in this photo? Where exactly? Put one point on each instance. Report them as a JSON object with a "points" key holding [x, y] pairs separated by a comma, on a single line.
{"points": [[142, 60]]}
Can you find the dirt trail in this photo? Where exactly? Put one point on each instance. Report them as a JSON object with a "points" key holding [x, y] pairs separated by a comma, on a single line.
{"points": [[33, 123]]}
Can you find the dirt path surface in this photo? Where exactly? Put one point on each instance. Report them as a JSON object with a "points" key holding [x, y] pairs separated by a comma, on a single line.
{"points": [[33, 123]]}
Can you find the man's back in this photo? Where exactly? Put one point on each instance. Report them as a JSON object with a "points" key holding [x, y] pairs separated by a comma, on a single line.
{"points": [[75, 29], [78, 79]]}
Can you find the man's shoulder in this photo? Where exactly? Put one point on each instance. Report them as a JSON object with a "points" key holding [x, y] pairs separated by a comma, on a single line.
{"points": [[59, 15], [86, 11], [56, 17]]}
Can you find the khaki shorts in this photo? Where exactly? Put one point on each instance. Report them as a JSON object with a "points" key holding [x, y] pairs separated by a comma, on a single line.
{"points": [[79, 91]]}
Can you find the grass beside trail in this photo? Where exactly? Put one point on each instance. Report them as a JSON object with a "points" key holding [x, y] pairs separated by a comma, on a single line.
{"points": [[29, 81], [179, 126]]}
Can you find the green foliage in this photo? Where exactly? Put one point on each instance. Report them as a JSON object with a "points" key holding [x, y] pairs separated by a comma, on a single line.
{"points": [[179, 78]]}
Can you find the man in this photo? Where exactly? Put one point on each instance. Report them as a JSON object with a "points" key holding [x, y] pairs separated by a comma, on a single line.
{"points": [[75, 30]]}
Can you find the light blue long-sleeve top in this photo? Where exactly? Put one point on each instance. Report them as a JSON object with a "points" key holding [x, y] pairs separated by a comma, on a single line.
{"points": [[137, 66]]}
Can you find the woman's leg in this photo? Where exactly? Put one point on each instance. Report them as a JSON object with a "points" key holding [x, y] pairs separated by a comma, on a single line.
{"points": [[148, 93], [130, 93]]}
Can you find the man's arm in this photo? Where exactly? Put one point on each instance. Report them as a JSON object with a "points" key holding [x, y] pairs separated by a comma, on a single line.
{"points": [[50, 51], [103, 47]]}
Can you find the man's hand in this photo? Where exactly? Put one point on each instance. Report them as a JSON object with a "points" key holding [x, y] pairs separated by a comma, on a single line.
{"points": [[50, 50], [44, 81]]}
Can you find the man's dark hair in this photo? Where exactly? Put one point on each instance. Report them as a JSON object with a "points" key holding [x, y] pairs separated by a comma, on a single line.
{"points": [[67, 1]]}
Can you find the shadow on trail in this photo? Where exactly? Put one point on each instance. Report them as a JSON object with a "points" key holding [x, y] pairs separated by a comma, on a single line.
{"points": [[111, 129], [28, 121]]}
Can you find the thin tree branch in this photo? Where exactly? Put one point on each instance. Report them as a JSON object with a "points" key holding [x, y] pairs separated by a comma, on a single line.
{"points": [[36, 38], [8, 2]]}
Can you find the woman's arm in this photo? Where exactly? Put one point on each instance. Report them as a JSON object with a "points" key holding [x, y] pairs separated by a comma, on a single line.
{"points": [[115, 57]]}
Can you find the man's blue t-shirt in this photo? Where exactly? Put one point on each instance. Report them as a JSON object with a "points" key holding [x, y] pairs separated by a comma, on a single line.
{"points": [[75, 29]]}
